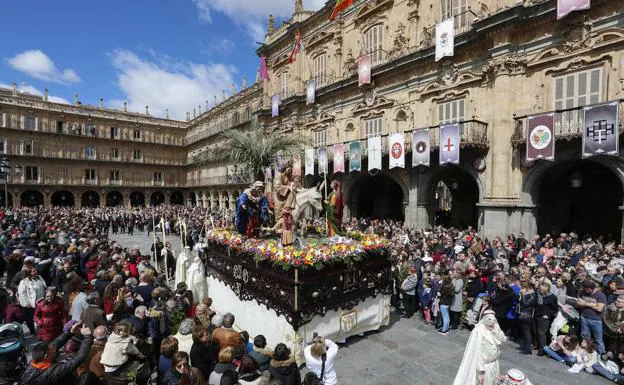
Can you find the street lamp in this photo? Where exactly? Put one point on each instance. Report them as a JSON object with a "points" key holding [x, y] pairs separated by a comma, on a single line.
{"points": [[5, 169]]}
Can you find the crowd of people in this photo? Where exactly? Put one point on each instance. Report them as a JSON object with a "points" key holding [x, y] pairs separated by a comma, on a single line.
{"points": [[104, 313]]}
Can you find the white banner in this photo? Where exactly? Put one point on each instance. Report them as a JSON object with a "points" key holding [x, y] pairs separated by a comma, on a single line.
{"points": [[309, 161], [374, 153], [396, 150], [445, 39]]}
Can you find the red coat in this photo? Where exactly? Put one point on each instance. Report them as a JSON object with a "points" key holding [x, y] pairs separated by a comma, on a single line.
{"points": [[132, 267], [92, 266], [50, 318]]}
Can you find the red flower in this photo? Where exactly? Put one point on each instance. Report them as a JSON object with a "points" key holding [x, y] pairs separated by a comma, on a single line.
{"points": [[297, 261]]}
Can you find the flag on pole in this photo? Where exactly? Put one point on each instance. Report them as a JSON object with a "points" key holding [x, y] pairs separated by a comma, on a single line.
{"points": [[564, 7], [264, 70], [355, 156], [421, 154], [445, 38], [601, 131], [275, 105], [449, 143], [309, 161], [297, 47], [339, 157], [374, 153], [341, 5], [541, 137], [396, 144], [364, 69], [310, 91]]}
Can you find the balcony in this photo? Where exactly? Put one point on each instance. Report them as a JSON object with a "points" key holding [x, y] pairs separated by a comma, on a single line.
{"points": [[569, 124], [219, 180]]}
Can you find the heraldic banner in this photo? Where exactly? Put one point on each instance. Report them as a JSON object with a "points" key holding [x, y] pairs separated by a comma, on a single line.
{"points": [[374, 153], [449, 143], [601, 130], [421, 155], [274, 106], [339, 157], [364, 69], [541, 137], [396, 144], [309, 161], [310, 91], [445, 39], [564, 7], [355, 156], [322, 160]]}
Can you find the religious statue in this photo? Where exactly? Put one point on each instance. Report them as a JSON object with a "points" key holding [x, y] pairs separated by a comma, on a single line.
{"points": [[285, 199], [334, 209], [252, 210], [479, 365]]}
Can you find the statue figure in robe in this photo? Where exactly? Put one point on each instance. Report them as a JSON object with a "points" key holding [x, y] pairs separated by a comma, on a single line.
{"points": [[334, 209], [252, 210], [285, 199]]}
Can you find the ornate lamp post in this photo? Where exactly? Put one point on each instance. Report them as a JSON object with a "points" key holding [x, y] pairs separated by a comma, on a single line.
{"points": [[5, 170]]}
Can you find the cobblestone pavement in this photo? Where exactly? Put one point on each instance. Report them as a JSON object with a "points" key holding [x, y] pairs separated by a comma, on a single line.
{"points": [[409, 352]]}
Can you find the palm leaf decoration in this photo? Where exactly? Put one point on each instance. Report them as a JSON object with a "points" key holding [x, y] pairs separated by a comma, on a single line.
{"points": [[253, 150]]}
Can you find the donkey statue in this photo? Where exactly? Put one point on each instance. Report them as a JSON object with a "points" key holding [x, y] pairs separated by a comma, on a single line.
{"points": [[311, 197]]}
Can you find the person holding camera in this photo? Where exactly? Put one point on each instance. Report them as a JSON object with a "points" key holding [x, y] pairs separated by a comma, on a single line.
{"points": [[319, 357]]}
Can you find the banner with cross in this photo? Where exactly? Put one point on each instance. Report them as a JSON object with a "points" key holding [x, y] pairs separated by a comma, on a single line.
{"points": [[601, 130], [450, 138]]}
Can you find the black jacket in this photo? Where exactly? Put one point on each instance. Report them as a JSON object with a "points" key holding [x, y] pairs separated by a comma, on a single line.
{"points": [[526, 305], [202, 357], [61, 371], [287, 371], [548, 307], [502, 301], [474, 287]]}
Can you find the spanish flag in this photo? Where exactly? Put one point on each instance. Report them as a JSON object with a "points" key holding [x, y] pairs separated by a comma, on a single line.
{"points": [[341, 5]]}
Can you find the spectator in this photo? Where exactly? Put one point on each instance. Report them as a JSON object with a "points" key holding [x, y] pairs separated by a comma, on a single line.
{"points": [[284, 367], [31, 289], [261, 354], [248, 373], [226, 355], [92, 363], [185, 336], [226, 336], [563, 349], [319, 357], [545, 311], [447, 292], [168, 347], [458, 302], [93, 316], [592, 303], [50, 316], [181, 372], [202, 351], [526, 308]]}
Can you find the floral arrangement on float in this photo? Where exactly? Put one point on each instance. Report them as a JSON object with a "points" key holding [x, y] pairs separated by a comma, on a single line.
{"points": [[350, 249]]}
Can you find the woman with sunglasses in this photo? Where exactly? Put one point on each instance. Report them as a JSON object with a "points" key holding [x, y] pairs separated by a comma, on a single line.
{"points": [[181, 372]]}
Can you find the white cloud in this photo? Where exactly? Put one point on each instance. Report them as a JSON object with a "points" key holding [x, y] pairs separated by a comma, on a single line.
{"points": [[252, 14], [161, 82], [38, 65], [28, 89]]}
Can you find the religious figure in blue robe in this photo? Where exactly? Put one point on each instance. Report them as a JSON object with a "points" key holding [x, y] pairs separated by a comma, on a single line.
{"points": [[252, 210]]}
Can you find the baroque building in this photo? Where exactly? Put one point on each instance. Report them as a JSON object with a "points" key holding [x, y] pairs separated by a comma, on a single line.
{"points": [[512, 59]]}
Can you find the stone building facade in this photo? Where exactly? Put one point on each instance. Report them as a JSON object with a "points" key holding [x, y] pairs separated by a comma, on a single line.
{"points": [[512, 59]]}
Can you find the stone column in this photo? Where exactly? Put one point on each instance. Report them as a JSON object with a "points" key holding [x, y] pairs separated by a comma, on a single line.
{"points": [[232, 201], [213, 200]]}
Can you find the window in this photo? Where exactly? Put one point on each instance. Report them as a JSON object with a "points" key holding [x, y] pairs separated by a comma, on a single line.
{"points": [[457, 8], [114, 153], [27, 147], [247, 113], [61, 127], [114, 176], [32, 173], [451, 112], [137, 155], [136, 134], [158, 177], [320, 138], [114, 132], [373, 127], [90, 152], [235, 118], [90, 174], [283, 86], [578, 89], [319, 69], [4, 146], [30, 123], [90, 129], [373, 43]]}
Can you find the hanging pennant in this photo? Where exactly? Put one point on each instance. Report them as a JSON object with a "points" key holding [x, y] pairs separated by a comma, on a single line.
{"points": [[445, 38], [355, 156], [564, 7], [309, 161], [310, 91], [364, 69], [449, 143], [396, 154], [339, 157], [421, 154], [374, 153], [297, 166], [275, 105], [322, 160], [540, 140], [601, 130]]}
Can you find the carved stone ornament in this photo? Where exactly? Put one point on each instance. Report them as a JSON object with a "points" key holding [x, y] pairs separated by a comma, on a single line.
{"points": [[448, 72], [372, 102], [400, 43], [426, 38], [350, 66], [506, 65], [577, 34]]}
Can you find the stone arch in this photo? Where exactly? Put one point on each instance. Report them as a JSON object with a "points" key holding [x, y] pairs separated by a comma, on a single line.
{"points": [[2, 197], [401, 118], [193, 198], [31, 198], [63, 198], [176, 198], [90, 199], [137, 199], [383, 195], [157, 198], [114, 199]]}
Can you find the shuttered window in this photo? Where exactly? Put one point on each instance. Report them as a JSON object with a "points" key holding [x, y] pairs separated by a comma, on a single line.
{"points": [[373, 127], [451, 112], [373, 43]]}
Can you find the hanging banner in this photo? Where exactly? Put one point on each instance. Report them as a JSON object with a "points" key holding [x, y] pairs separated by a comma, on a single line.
{"points": [[322, 160], [355, 156], [449, 143], [445, 39], [540, 141], [309, 161], [297, 166], [310, 91], [421, 155], [364, 69], [275, 105], [601, 132], [564, 7], [396, 153], [339, 157], [374, 153]]}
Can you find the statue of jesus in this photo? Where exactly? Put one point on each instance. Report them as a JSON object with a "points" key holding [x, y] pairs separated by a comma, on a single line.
{"points": [[285, 199]]}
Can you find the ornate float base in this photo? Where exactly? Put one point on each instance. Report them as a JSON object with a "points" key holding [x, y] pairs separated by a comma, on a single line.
{"points": [[256, 318]]}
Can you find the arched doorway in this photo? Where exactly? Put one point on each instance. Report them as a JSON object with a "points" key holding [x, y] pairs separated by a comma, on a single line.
{"points": [[63, 198], [580, 196], [2, 204], [114, 199], [176, 198], [157, 198], [90, 199], [453, 198], [137, 199], [378, 197], [31, 198], [193, 198]]}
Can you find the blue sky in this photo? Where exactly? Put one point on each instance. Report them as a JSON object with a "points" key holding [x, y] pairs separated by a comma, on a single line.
{"points": [[173, 54]]}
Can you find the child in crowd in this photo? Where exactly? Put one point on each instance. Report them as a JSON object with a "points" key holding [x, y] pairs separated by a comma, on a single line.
{"points": [[119, 347]]}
